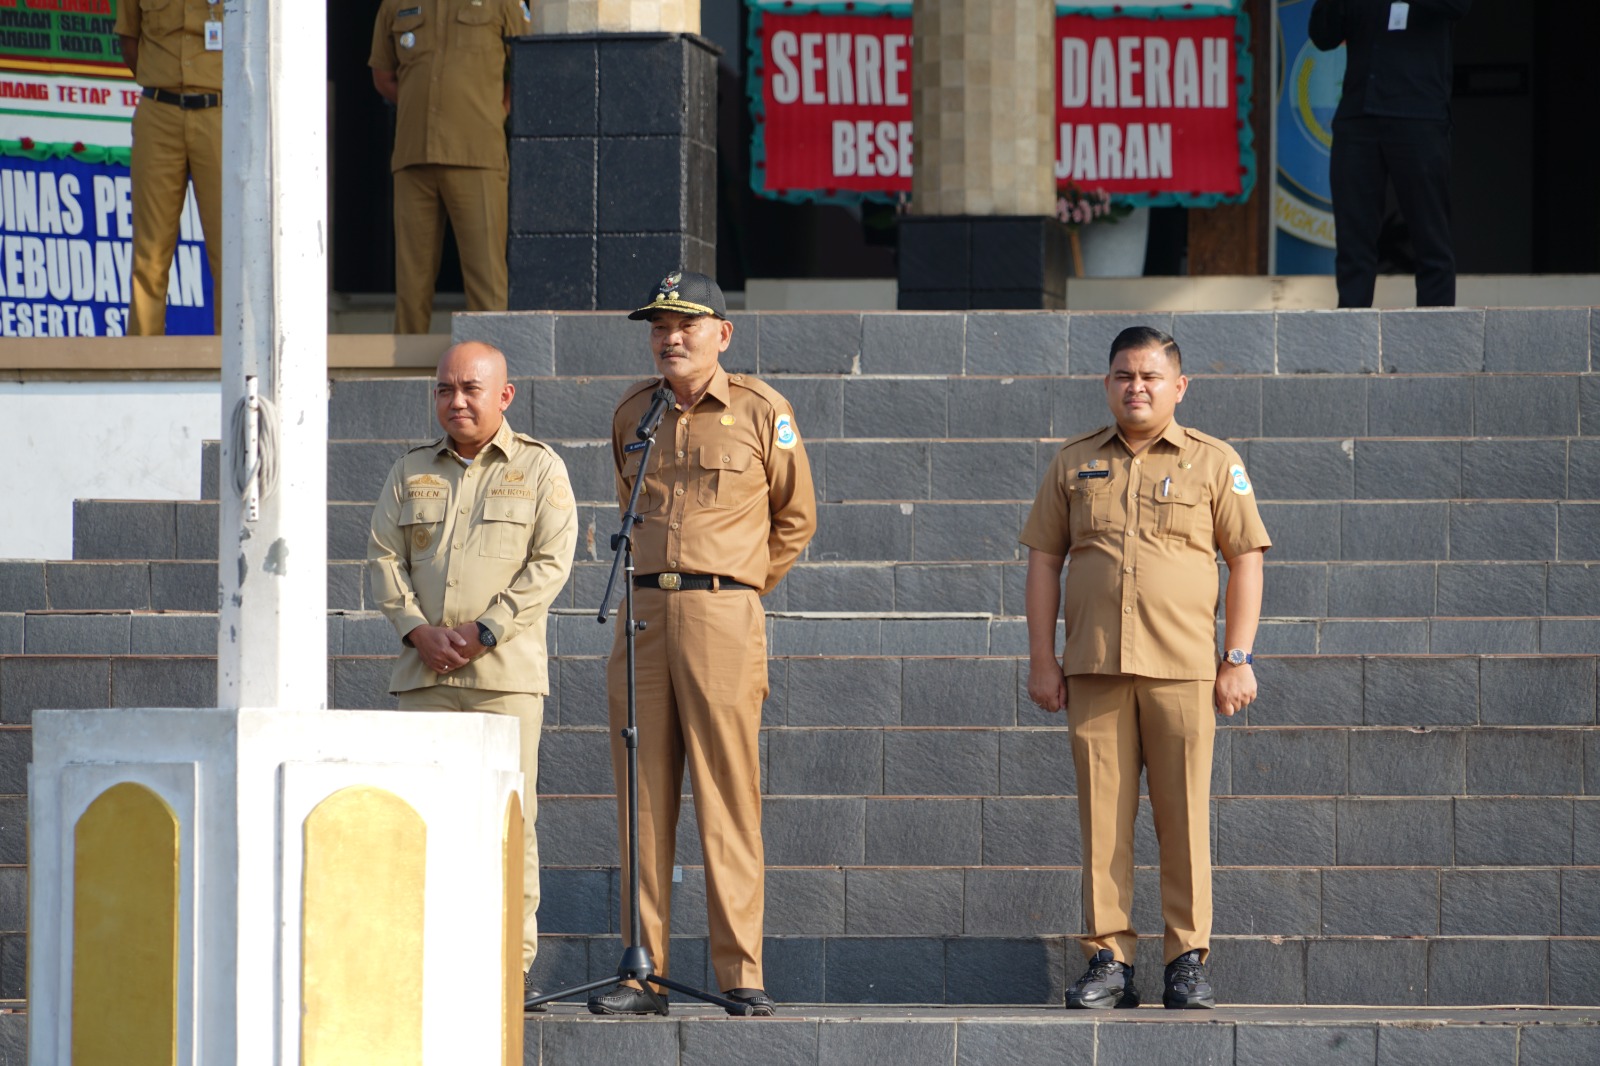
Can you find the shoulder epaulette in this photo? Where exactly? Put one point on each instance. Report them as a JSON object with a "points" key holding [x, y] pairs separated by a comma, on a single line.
{"points": [[759, 387], [1206, 438], [1080, 438], [647, 385]]}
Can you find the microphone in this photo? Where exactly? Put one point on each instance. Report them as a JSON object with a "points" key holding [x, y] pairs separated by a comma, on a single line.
{"points": [[652, 418]]}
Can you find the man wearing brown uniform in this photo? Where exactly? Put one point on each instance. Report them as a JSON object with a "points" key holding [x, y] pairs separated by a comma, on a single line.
{"points": [[726, 508], [1141, 508], [175, 53], [442, 64], [471, 540]]}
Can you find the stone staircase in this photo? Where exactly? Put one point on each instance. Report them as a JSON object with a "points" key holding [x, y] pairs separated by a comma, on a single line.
{"points": [[1409, 816]]}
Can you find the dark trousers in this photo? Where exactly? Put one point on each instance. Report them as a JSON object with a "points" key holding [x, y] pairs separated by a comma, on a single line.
{"points": [[1414, 154]]}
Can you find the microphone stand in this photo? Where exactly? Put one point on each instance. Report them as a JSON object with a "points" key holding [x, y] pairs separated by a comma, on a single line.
{"points": [[636, 964]]}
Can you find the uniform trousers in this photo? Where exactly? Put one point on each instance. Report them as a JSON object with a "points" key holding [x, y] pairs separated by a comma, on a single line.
{"points": [[474, 200], [1414, 154], [701, 671], [171, 145], [1120, 723], [528, 710]]}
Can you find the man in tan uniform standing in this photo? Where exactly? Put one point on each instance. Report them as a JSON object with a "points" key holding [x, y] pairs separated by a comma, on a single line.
{"points": [[1142, 507], [442, 64], [471, 540], [175, 53], [727, 507]]}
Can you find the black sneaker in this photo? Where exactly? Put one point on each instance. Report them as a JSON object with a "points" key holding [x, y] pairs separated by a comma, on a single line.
{"points": [[530, 992], [625, 999], [1106, 983], [1188, 985]]}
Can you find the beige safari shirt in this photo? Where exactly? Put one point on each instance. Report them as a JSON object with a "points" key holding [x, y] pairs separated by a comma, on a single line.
{"points": [[450, 56], [1141, 535], [490, 541], [728, 490], [172, 44]]}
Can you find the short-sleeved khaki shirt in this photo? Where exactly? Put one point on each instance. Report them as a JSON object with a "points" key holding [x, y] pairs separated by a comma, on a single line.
{"points": [[488, 541], [450, 57], [728, 490], [1141, 535], [172, 44]]}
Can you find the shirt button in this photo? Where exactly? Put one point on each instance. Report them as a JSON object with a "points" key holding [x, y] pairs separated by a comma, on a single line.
{"points": [[463, 510], [678, 491], [457, 547], [1136, 462], [680, 455], [684, 421], [1127, 610], [673, 564], [1130, 533], [453, 582], [674, 525], [724, 458], [1127, 569]]}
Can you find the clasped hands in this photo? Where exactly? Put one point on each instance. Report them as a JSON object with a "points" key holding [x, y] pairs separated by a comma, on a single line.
{"points": [[444, 650]]}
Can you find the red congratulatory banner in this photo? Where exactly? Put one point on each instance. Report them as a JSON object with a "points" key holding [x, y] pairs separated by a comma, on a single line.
{"points": [[1143, 106]]}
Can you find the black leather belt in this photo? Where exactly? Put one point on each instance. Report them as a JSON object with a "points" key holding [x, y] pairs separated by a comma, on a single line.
{"points": [[186, 101], [679, 582]]}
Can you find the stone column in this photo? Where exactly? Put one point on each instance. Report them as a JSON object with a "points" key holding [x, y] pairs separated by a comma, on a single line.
{"points": [[613, 152], [982, 229]]}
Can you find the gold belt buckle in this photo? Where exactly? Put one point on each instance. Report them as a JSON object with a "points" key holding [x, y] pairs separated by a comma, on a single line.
{"points": [[670, 581]]}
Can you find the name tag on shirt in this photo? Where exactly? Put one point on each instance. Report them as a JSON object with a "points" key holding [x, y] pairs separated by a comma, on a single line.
{"points": [[213, 36], [1086, 474], [1399, 12]]}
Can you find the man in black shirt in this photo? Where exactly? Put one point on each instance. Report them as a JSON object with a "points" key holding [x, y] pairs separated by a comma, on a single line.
{"points": [[1393, 124]]}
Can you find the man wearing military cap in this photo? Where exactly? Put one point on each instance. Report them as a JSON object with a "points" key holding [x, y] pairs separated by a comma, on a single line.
{"points": [[471, 540], [442, 64], [175, 53], [1142, 507], [726, 508]]}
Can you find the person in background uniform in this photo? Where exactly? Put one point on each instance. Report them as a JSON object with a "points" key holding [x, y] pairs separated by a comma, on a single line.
{"points": [[175, 53], [442, 64], [1392, 125], [1141, 508], [472, 539], [727, 506]]}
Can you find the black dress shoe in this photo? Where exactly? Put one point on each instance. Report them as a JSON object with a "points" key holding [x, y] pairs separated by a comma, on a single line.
{"points": [[1188, 986], [760, 1004], [530, 992], [1106, 983], [625, 999]]}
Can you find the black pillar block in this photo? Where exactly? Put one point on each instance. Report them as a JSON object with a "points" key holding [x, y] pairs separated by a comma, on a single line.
{"points": [[613, 166], [959, 262]]}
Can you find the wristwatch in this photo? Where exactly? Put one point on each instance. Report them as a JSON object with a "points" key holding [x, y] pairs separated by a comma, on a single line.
{"points": [[485, 636], [1239, 657]]}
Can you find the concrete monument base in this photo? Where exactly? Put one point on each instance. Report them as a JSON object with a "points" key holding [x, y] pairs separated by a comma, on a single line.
{"points": [[275, 887]]}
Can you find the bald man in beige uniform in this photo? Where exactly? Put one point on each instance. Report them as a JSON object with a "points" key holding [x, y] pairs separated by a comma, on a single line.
{"points": [[727, 507], [175, 52], [471, 540], [1142, 508], [442, 64]]}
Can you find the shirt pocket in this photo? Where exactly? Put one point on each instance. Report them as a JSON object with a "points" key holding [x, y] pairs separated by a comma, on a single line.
{"points": [[506, 527], [422, 525], [1089, 510], [724, 476], [413, 35], [160, 17], [654, 492], [1175, 512], [477, 29]]}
